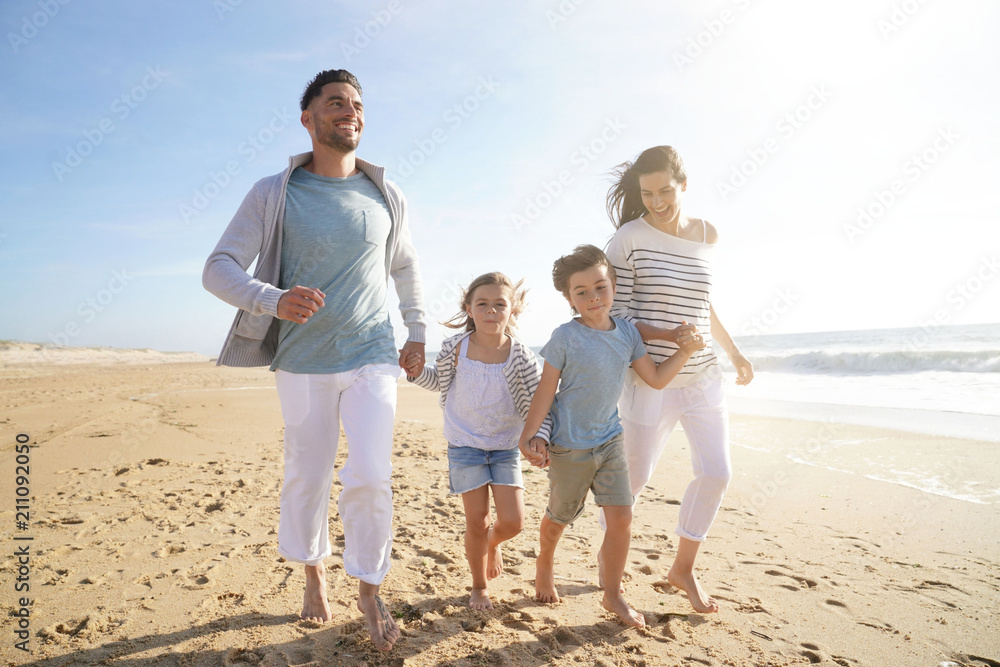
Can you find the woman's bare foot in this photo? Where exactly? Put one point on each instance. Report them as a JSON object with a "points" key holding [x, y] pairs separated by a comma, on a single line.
{"points": [[381, 625], [315, 606], [545, 584], [480, 599], [494, 562], [600, 573], [616, 605], [688, 583]]}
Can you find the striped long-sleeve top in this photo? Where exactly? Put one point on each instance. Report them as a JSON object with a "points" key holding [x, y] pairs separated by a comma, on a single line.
{"points": [[522, 371], [664, 280]]}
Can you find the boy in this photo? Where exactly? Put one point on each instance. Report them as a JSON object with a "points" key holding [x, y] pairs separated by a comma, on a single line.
{"points": [[586, 360]]}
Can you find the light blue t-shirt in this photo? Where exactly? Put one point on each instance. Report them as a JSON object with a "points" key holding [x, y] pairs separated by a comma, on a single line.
{"points": [[592, 367], [334, 239]]}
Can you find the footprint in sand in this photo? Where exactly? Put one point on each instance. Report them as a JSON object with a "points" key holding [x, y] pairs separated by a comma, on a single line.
{"points": [[804, 582]]}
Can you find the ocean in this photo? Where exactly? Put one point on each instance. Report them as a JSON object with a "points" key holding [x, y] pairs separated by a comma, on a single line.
{"points": [[942, 381], [879, 377]]}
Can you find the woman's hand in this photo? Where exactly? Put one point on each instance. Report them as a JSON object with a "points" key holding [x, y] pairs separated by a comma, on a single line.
{"points": [[744, 369]]}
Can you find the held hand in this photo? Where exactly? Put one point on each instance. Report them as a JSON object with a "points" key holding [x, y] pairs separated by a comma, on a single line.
{"points": [[690, 343], [411, 358], [536, 451], [681, 331], [300, 303], [744, 369], [413, 364]]}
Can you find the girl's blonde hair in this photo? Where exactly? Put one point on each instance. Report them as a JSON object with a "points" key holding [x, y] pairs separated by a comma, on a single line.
{"points": [[462, 319]]}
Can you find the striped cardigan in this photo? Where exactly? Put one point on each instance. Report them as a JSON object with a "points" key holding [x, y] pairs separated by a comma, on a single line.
{"points": [[522, 371]]}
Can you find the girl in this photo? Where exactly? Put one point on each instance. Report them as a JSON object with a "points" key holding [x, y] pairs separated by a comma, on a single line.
{"points": [[487, 379], [663, 260]]}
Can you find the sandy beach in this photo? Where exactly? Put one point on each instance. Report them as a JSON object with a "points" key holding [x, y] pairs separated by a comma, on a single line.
{"points": [[154, 508]]}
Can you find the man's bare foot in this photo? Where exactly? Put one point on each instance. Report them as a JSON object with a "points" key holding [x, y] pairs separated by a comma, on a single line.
{"points": [[480, 599], [494, 562], [545, 584], [616, 605], [688, 583], [381, 625], [600, 573], [315, 606]]}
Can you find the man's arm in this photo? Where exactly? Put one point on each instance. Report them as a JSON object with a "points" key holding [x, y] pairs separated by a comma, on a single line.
{"points": [[405, 272], [225, 274]]}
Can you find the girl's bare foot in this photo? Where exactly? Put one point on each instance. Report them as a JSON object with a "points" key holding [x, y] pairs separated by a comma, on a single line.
{"points": [[480, 599], [688, 583], [616, 605], [315, 606], [494, 562], [381, 625]]}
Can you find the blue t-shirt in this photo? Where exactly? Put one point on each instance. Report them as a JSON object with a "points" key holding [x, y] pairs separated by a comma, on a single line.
{"points": [[334, 239], [592, 367]]}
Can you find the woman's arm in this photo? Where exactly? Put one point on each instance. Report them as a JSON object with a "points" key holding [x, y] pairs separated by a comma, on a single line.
{"points": [[744, 369]]}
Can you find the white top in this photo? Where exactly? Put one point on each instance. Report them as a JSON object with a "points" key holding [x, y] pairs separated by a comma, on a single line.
{"points": [[664, 280], [480, 411]]}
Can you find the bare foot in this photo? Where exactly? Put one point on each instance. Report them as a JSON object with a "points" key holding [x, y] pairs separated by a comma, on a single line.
{"points": [[494, 562], [688, 583], [381, 625], [480, 599], [545, 584], [616, 605], [315, 606], [600, 573]]}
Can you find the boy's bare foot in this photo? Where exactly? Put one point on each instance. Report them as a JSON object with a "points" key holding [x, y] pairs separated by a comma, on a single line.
{"points": [[480, 599], [494, 562], [381, 625], [600, 573], [545, 585], [315, 606], [688, 583], [616, 605]]}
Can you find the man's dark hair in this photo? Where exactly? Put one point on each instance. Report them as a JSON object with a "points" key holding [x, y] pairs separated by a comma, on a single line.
{"points": [[323, 78]]}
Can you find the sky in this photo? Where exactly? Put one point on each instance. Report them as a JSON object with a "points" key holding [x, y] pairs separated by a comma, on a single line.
{"points": [[846, 152]]}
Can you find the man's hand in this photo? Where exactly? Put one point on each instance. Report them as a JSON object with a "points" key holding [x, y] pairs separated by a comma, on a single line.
{"points": [[300, 303], [411, 358], [536, 451]]}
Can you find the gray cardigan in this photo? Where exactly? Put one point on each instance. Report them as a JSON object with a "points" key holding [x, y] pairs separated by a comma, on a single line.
{"points": [[521, 370], [255, 233]]}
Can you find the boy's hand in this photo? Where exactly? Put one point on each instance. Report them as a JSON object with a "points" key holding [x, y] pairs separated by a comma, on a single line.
{"points": [[536, 451], [691, 342], [680, 332]]}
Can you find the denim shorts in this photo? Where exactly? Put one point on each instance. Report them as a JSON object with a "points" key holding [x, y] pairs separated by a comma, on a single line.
{"points": [[470, 468]]}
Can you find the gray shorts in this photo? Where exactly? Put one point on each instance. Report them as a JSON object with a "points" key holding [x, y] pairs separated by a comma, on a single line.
{"points": [[572, 472]]}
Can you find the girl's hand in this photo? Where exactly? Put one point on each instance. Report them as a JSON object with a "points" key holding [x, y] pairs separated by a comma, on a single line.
{"points": [[413, 364], [679, 333], [536, 451], [744, 369]]}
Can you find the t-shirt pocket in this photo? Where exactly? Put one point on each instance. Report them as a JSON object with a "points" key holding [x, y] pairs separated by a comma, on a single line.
{"points": [[377, 226]]}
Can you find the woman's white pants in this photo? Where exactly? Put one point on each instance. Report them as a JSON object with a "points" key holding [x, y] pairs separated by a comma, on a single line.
{"points": [[648, 417], [313, 407]]}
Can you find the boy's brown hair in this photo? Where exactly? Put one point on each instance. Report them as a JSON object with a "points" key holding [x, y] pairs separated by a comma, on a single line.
{"points": [[582, 258]]}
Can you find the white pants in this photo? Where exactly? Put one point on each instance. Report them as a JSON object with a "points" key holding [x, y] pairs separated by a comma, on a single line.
{"points": [[648, 417], [313, 407]]}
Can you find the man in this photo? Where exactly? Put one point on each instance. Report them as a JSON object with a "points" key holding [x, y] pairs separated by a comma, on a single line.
{"points": [[326, 233]]}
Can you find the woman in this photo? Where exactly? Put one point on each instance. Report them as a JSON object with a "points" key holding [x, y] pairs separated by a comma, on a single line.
{"points": [[663, 260]]}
